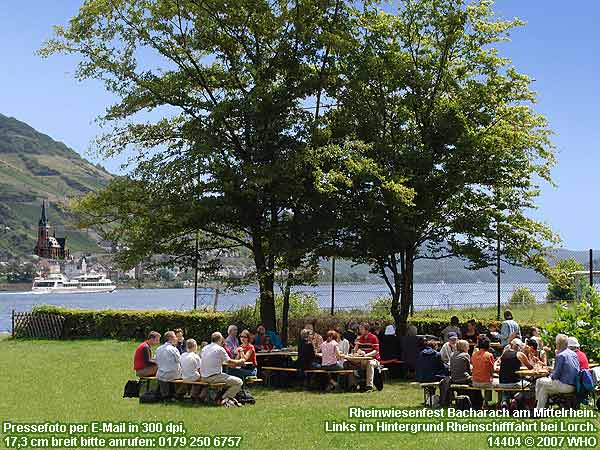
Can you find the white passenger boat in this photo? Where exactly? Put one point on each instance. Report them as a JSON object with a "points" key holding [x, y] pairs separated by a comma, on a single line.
{"points": [[60, 284]]}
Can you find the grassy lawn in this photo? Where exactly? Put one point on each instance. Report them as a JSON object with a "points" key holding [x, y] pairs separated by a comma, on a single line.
{"points": [[82, 381]]}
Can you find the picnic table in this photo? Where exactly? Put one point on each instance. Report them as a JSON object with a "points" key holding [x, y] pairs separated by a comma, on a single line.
{"points": [[358, 358], [277, 353], [533, 373]]}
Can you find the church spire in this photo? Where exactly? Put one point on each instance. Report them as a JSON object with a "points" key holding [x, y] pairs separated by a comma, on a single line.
{"points": [[44, 219]]}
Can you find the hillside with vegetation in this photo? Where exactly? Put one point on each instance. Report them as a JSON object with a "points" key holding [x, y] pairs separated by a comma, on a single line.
{"points": [[33, 167]]}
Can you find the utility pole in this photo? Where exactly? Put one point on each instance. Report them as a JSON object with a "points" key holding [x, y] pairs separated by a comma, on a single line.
{"points": [[591, 267], [196, 276], [332, 285], [498, 273]]}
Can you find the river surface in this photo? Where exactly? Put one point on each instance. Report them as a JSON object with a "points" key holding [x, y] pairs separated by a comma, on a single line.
{"points": [[347, 295]]}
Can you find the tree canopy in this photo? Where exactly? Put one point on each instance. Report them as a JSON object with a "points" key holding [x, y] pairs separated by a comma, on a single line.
{"points": [[314, 128]]}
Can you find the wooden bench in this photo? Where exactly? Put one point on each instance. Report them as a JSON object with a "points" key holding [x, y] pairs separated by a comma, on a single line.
{"points": [[429, 390]]}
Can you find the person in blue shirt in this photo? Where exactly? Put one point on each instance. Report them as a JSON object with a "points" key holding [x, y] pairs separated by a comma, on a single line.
{"points": [[509, 329], [563, 378], [429, 366]]}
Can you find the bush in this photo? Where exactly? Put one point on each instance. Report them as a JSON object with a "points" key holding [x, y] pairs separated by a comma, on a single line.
{"points": [[522, 296], [582, 321], [120, 324], [563, 286]]}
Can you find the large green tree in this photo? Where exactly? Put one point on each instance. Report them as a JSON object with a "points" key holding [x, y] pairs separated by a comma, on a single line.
{"points": [[439, 152], [237, 86]]}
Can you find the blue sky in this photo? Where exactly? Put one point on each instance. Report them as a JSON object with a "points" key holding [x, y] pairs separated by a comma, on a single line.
{"points": [[559, 47]]}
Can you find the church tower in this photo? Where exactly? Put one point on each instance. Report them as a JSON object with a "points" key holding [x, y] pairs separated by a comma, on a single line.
{"points": [[49, 246]]}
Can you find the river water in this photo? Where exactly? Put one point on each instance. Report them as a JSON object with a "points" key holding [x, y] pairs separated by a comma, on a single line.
{"points": [[347, 296]]}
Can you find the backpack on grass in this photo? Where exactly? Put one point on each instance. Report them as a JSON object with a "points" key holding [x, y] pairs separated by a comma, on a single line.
{"points": [[132, 389], [151, 396]]}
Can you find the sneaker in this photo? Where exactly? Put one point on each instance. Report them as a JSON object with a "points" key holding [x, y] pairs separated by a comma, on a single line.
{"points": [[369, 389], [227, 403]]}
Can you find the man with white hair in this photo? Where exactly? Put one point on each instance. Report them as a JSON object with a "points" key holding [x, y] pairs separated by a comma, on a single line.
{"points": [[168, 362], [211, 368], [232, 342], [563, 378], [573, 344]]}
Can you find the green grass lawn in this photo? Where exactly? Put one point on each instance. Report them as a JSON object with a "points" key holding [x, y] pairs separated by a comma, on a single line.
{"points": [[82, 381]]}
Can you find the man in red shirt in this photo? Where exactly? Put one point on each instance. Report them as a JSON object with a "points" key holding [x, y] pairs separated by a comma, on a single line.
{"points": [[143, 363], [573, 344], [367, 344]]}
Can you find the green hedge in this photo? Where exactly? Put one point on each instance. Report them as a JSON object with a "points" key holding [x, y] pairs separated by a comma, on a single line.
{"points": [[123, 324], [129, 324]]}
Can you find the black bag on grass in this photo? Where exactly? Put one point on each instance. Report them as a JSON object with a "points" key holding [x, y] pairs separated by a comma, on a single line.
{"points": [[150, 397], [132, 389], [245, 397], [463, 402]]}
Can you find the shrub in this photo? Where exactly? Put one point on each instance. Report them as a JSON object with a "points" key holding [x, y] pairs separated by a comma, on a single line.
{"points": [[121, 324], [581, 320], [522, 296], [563, 286]]}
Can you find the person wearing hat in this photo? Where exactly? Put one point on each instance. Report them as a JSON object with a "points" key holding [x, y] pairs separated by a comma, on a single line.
{"points": [[509, 329], [449, 348], [511, 360], [573, 344], [563, 378], [452, 328]]}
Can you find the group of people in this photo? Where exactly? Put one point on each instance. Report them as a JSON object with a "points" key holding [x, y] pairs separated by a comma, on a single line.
{"points": [[217, 362], [333, 352], [469, 359]]}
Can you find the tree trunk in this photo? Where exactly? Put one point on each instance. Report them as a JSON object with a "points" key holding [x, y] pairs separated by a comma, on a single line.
{"points": [[406, 293], [402, 297], [267, 299], [285, 313], [266, 283]]}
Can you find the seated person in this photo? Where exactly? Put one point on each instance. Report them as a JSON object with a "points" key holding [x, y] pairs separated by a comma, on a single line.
{"points": [[534, 354], [452, 328], [471, 334], [180, 340], [143, 363], [259, 338], [351, 332], [190, 368], [429, 365], [232, 342], [267, 345], [493, 335], [389, 344], [317, 339], [367, 344], [331, 355], [448, 348], [460, 364], [306, 351], [168, 362], [563, 378], [344, 343], [246, 352], [509, 329], [573, 345], [211, 369], [513, 357], [483, 366], [535, 335]]}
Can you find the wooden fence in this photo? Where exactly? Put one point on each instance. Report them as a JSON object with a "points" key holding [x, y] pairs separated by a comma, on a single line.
{"points": [[37, 325]]}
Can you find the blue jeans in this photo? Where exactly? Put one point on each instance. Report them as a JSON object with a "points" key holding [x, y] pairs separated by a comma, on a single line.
{"points": [[241, 372]]}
